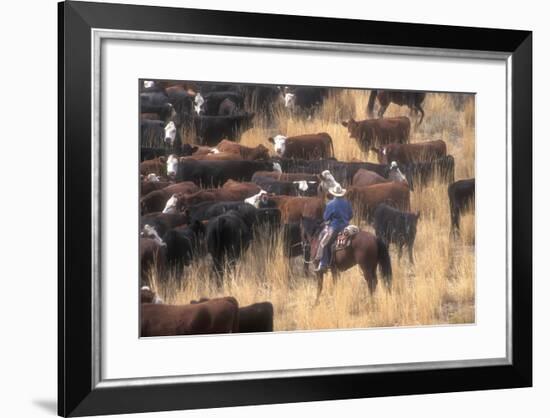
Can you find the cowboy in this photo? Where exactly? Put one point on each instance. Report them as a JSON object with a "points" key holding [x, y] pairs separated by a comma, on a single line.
{"points": [[337, 216]]}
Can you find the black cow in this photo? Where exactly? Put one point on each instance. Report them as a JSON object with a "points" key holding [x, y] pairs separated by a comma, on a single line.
{"points": [[212, 129], [262, 98], [213, 101], [227, 237], [216, 173], [151, 132], [261, 217], [343, 172], [182, 244], [228, 108], [208, 210], [289, 188], [150, 153], [397, 227], [183, 104], [293, 244], [304, 99], [461, 196], [155, 98], [426, 172], [257, 317], [157, 102]]}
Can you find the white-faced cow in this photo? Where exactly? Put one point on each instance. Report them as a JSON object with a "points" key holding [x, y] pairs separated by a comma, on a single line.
{"points": [[307, 147]]}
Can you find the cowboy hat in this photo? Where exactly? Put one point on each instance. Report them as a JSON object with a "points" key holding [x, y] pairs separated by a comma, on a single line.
{"points": [[337, 190]]}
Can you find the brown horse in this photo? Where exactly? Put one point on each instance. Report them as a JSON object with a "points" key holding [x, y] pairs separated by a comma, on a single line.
{"points": [[366, 250], [412, 99]]}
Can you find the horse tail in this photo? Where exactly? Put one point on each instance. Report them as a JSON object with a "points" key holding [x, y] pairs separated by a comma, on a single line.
{"points": [[370, 105], [384, 261]]}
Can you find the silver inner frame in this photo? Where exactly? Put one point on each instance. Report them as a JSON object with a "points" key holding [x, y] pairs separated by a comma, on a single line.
{"points": [[98, 35]]}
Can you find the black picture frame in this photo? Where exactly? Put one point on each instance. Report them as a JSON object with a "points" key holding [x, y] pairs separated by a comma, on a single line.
{"points": [[77, 395]]}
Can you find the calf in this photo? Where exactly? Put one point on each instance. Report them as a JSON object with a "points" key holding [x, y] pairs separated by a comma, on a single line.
{"points": [[375, 132], [397, 227], [411, 153], [461, 197], [307, 147], [247, 153], [294, 208], [215, 316]]}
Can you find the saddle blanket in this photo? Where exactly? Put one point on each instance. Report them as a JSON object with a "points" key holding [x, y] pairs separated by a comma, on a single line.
{"points": [[343, 240]]}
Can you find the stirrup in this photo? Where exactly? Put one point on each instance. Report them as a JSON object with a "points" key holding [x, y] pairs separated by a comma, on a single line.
{"points": [[320, 268]]}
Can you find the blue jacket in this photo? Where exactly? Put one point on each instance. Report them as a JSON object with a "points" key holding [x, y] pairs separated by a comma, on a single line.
{"points": [[338, 213]]}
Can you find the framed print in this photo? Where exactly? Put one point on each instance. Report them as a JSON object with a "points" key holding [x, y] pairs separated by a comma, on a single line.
{"points": [[263, 208]]}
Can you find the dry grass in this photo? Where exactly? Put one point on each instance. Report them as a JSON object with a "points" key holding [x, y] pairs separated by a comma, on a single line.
{"points": [[438, 289]]}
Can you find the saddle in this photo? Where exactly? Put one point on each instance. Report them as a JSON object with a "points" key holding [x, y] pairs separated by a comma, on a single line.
{"points": [[344, 238]]}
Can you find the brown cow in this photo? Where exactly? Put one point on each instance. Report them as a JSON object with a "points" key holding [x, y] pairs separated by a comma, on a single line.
{"points": [[372, 132], [189, 88], [286, 176], [259, 152], [149, 116], [366, 199], [215, 156], [147, 187], [367, 178], [215, 316], [245, 187], [412, 153], [154, 166], [156, 200], [306, 147], [294, 208], [257, 317]]}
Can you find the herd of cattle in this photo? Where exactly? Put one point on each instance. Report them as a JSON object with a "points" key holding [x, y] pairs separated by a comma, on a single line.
{"points": [[216, 197]]}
